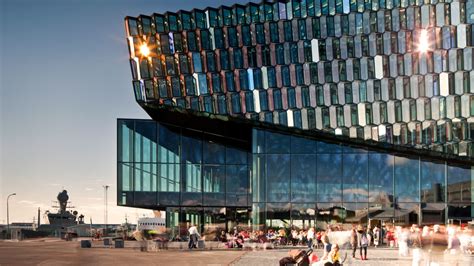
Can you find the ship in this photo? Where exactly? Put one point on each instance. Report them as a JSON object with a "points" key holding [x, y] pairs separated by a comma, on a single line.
{"points": [[63, 218]]}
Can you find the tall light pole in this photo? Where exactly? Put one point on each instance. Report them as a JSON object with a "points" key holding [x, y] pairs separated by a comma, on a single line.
{"points": [[8, 213], [106, 187]]}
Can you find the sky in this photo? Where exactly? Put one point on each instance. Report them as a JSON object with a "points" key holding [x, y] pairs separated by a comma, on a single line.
{"points": [[64, 80]]}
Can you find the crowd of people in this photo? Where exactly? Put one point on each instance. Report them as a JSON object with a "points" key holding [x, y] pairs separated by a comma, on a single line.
{"points": [[424, 244]]}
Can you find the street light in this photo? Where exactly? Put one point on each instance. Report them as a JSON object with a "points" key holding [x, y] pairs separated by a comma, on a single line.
{"points": [[106, 187], [8, 213]]}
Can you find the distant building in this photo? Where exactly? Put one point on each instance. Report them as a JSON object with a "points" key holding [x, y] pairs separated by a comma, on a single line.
{"points": [[302, 113]]}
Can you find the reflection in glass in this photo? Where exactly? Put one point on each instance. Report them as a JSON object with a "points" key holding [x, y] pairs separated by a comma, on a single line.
{"points": [[303, 178], [278, 181], [407, 179], [381, 178], [329, 177]]}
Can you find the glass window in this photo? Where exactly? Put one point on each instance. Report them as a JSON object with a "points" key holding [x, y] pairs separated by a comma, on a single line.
{"points": [[381, 178], [232, 37], [459, 184], [278, 178], [433, 182], [226, 15], [186, 20], [355, 178], [238, 59], [235, 100], [125, 131], [172, 22], [169, 144], [277, 143], [235, 156], [213, 185], [214, 153], [191, 190], [205, 40], [246, 35], [192, 148], [237, 185], [406, 179], [288, 33], [229, 81], [213, 17], [329, 177], [260, 33], [145, 141], [160, 23], [278, 215], [219, 38], [200, 19], [303, 178], [224, 60]]}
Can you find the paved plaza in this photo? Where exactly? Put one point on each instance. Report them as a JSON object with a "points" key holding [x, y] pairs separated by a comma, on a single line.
{"points": [[57, 252]]}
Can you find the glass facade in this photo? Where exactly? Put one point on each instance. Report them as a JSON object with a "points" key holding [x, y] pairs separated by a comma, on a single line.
{"points": [[413, 59], [354, 112], [281, 180], [195, 176]]}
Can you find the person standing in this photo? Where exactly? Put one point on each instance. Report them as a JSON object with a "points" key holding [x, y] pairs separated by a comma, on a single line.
{"points": [[363, 242], [376, 236], [193, 236], [354, 241], [310, 237]]}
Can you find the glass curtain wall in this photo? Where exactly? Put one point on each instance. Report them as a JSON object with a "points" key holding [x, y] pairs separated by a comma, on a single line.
{"points": [[196, 177], [286, 181], [299, 182]]}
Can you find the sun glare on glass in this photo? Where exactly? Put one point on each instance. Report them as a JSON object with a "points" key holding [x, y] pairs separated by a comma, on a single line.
{"points": [[423, 42], [144, 50]]}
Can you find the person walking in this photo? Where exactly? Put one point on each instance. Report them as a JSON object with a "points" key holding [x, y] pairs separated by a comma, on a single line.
{"points": [[362, 242], [193, 236], [354, 241]]}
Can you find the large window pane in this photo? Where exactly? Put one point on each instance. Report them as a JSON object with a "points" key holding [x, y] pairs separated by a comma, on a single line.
{"points": [[145, 141], [277, 143], [169, 139], [329, 177], [303, 216], [125, 135], [192, 148], [278, 215], [302, 145], [433, 183], [459, 184], [303, 178], [237, 185], [214, 153], [278, 178], [355, 178], [407, 179], [381, 178], [191, 185], [213, 185]]}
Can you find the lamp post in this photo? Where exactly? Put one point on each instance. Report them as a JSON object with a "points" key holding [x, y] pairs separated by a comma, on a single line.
{"points": [[8, 213], [106, 187]]}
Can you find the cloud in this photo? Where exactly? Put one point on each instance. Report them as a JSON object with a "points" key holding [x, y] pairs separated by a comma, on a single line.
{"points": [[27, 202], [95, 198]]}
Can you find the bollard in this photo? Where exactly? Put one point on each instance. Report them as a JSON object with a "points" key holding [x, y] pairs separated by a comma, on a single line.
{"points": [[86, 244], [119, 243]]}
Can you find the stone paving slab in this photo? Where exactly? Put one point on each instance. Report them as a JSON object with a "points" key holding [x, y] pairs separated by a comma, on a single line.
{"points": [[58, 252], [376, 257]]}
